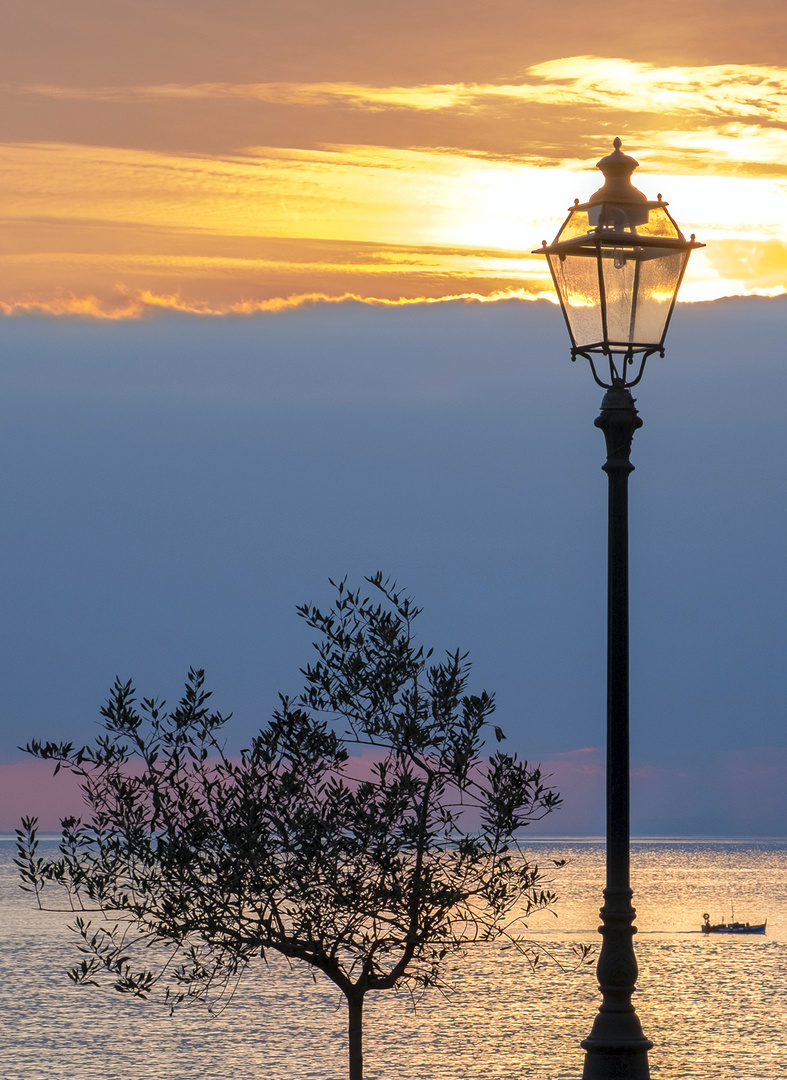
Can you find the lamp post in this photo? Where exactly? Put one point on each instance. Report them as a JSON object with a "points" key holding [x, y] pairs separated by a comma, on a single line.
{"points": [[617, 263]]}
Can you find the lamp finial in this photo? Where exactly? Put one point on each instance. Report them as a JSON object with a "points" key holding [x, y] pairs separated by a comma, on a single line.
{"points": [[617, 168]]}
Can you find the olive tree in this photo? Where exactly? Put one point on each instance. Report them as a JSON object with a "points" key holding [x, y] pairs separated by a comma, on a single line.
{"points": [[191, 863]]}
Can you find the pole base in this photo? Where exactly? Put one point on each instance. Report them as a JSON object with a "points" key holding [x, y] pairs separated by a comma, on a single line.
{"points": [[616, 1048], [617, 1065]]}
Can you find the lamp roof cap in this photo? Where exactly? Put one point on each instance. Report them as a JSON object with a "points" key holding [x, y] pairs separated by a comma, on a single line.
{"points": [[617, 168]]}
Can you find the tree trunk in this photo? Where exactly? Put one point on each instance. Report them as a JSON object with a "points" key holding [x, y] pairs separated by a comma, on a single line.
{"points": [[355, 1031]]}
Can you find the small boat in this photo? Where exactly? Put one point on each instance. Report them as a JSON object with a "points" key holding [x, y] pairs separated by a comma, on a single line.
{"points": [[732, 927]]}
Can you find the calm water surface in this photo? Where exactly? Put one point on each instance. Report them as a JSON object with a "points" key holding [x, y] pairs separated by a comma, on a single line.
{"points": [[715, 1007]]}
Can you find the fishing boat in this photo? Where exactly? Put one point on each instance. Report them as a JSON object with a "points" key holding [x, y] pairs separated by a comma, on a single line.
{"points": [[732, 927]]}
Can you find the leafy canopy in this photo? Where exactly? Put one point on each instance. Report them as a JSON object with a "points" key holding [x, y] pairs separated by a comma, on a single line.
{"points": [[195, 863]]}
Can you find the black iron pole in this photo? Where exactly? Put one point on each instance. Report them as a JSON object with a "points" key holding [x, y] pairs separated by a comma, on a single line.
{"points": [[616, 1048]]}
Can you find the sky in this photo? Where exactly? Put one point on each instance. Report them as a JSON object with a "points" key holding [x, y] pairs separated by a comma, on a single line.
{"points": [[268, 315]]}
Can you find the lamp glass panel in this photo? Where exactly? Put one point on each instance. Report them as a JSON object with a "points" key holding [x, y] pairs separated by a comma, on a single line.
{"points": [[659, 223], [576, 224], [576, 277], [620, 274], [658, 282], [618, 217], [639, 285]]}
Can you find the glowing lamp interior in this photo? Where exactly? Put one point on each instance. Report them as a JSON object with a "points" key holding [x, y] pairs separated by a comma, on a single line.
{"points": [[617, 263]]}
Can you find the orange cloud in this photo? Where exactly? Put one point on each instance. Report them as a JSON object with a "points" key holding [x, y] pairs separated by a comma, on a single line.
{"points": [[146, 302], [265, 223], [733, 90], [371, 221], [277, 93]]}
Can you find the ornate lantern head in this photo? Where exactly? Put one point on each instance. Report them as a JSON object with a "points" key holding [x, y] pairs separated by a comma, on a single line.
{"points": [[617, 263]]}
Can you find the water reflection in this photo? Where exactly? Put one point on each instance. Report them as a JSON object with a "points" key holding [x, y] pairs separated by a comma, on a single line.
{"points": [[714, 1007]]}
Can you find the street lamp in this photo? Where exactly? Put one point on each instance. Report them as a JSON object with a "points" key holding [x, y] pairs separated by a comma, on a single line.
{"points": [[617, 263]]}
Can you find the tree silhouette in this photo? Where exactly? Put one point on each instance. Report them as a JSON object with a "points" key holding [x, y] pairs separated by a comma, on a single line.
{"points": [[197, 862]]}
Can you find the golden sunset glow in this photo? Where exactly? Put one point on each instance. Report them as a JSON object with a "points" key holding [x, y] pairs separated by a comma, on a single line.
{"points": [[755, 91], [168, 192]]}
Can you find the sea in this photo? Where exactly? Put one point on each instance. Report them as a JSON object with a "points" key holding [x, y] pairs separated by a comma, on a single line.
{"points": [[715, 1007]]}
